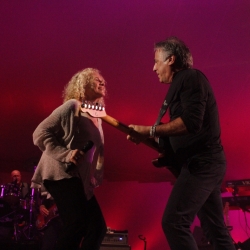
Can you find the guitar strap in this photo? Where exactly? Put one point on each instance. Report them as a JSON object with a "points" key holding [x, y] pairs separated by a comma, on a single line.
{"points": [[170, 161], [168, 98], [164, 142]]}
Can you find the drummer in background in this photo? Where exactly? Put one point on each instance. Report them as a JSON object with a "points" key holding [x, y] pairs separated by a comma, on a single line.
{"points": [[22, 191], [14, 195], [20, 188]]}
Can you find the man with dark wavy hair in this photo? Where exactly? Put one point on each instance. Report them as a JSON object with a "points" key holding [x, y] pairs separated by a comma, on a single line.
{"points": [[198, 160]]}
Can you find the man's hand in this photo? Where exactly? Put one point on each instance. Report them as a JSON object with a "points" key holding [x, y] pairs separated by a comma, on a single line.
{"points": [[43, 210], [138, 133]]}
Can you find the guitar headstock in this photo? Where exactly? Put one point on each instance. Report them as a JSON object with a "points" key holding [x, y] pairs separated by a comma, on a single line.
{"points": [[94, 110]]}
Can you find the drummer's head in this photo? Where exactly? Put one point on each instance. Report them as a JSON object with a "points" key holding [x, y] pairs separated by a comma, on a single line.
{"points": [[16, 176]]}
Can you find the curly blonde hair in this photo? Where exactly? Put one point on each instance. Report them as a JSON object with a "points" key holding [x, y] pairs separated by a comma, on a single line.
{"points": [[75, 88]]}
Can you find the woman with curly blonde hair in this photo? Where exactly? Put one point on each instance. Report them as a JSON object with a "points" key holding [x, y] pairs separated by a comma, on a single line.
{"points": [[75, 89], [71, 165]]}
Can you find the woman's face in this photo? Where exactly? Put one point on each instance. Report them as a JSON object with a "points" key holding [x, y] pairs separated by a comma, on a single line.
{"points": [[96, 89]]}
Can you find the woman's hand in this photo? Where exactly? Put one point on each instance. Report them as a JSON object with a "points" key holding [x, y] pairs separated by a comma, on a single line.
{"points": [[77, 156]]}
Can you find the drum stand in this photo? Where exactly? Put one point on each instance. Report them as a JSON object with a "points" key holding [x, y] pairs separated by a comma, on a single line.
{"points": [[17, 232], [29, 230], [5, 218], [16, 217]]}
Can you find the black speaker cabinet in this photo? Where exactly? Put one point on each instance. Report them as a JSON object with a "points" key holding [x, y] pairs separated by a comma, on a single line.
{"points": [[243, 246], [114, 247]]}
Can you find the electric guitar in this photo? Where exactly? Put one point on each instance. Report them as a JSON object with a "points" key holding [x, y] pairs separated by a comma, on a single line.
{"points": [[43, 221], [166, 155]]}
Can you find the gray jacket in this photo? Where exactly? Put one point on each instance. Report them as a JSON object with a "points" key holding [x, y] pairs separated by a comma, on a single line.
{"points": [[68, 128]]}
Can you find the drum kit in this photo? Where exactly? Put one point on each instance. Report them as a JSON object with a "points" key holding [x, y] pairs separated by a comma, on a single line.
{"points": [[16, 212]]}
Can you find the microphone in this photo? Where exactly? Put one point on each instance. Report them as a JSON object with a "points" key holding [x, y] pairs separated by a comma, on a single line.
{"points": [[14, 180], [86, 148]]}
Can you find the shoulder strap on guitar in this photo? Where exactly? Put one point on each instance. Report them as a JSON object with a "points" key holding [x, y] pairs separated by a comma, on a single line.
{"points": [[169, 160], [168, 98]]}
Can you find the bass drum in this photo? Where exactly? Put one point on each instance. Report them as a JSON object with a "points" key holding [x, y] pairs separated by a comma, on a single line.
{"points": [[24, 204], [27, 204], [11, 194], [5, 209], [4, 206]]}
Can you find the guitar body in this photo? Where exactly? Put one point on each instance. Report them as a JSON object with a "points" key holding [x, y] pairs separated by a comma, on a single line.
{"points": [[43, 221], [167, 158]]}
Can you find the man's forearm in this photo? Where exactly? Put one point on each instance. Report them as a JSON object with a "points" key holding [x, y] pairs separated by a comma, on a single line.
{"points": [[172, 128]]}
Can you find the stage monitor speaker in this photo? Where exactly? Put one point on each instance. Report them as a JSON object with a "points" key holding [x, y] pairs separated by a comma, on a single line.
{"points": [[244, 246], [114, 247], [116, 238]]}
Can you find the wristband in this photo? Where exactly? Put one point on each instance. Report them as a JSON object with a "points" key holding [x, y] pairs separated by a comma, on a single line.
{"points": [[152, 131]]}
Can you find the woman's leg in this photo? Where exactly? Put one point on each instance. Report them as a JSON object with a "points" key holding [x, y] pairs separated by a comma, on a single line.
{"points": [[72, 207]]}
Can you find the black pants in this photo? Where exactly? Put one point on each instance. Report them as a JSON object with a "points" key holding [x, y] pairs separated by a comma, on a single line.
{"points": [[50, 234], [197, 192], [83, 224]]}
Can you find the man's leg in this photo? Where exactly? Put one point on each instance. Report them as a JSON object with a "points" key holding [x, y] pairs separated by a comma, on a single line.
{"points": [[191, 190], [212, 222]]}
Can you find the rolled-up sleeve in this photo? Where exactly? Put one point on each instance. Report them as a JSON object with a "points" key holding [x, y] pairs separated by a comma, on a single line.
{"points": [[193, 100]]}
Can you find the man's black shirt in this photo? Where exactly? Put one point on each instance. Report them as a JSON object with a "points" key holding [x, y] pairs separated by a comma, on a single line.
{"points": [[195, 103]]}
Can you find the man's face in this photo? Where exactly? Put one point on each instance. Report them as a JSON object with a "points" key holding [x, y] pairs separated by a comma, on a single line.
{"points": [[16, 175], [162, 66], [97, 88]]}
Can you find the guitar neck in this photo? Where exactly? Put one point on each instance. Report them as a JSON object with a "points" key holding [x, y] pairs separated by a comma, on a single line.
{"points": [[125, 129]]}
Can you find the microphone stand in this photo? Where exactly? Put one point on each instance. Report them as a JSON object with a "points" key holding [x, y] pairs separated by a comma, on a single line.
{"points": [[143, 239]]}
